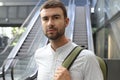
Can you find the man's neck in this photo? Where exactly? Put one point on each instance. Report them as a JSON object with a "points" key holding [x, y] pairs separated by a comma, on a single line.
{"points": [[58, 43]]}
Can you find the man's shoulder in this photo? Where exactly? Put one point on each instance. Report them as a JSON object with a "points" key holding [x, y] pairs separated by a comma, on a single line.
{"points": [[87, 54]]}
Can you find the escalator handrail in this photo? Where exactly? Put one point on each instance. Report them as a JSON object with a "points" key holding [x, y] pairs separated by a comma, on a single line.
{"points": [[22, 38], [3, 67], [89, 29], [12, 68]]}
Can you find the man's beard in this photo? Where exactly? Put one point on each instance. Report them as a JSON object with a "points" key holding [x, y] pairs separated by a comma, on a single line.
{"points": [[56, 36]]}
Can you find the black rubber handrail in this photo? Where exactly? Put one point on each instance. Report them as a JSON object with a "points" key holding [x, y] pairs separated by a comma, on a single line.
{"points": [[3, 67]]}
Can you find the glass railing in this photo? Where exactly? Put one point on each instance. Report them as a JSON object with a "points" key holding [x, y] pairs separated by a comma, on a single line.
{"points": [[112, 7], [106, 9], [71, 15], [100, 12], [106, 39], [16, 71], [23, 68]]}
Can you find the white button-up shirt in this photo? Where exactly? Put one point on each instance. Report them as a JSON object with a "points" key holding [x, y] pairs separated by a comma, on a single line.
{"points": [[85, 67]]}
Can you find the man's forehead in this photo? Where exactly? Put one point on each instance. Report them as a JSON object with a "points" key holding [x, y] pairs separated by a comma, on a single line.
{"points": [[51, 11]]}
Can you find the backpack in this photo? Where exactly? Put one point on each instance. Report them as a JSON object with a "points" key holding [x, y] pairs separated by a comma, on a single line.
{"points": [[67, 63]]}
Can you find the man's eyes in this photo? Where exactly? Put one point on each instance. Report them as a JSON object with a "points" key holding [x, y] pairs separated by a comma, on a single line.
{"points": [[45, 19], [56, 17], [53, 18]]}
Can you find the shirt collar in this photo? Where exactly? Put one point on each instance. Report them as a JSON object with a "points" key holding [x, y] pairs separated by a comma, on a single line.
{"points": [[62, 47]]}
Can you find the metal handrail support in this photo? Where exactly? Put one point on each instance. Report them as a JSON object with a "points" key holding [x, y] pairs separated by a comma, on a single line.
{"points": [[89, 29]]}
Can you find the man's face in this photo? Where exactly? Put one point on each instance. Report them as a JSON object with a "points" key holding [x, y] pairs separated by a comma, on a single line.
{"points": [[53, 22]]}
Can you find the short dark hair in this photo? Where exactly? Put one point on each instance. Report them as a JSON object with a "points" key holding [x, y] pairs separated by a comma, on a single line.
{"points": [[54, 4]]}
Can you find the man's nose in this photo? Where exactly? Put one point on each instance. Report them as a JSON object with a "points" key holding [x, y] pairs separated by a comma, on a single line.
{"points": [[50, 22]]}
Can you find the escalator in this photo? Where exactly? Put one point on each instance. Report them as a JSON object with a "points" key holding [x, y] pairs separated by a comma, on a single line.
{"points": [[21, 56], [82, 31], [23, 51]]}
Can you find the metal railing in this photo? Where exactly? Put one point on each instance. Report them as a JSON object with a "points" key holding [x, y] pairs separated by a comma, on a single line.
{"points": [[89, 29]]}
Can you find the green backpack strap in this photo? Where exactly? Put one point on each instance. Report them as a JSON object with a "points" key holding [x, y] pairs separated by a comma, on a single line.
{"points": [[71, 57], [103, 67]]}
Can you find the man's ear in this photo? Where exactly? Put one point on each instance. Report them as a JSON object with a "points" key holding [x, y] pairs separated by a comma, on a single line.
{"points": [[67, 21]]}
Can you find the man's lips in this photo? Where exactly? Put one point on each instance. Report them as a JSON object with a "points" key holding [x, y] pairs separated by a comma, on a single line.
{"points": [[51, 30]]}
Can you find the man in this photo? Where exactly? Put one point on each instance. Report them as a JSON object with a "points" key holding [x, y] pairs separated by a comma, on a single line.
{"points": [[49, 58]]}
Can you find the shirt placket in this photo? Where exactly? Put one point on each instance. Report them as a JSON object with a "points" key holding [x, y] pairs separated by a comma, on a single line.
{"points": [[54, 65]]}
